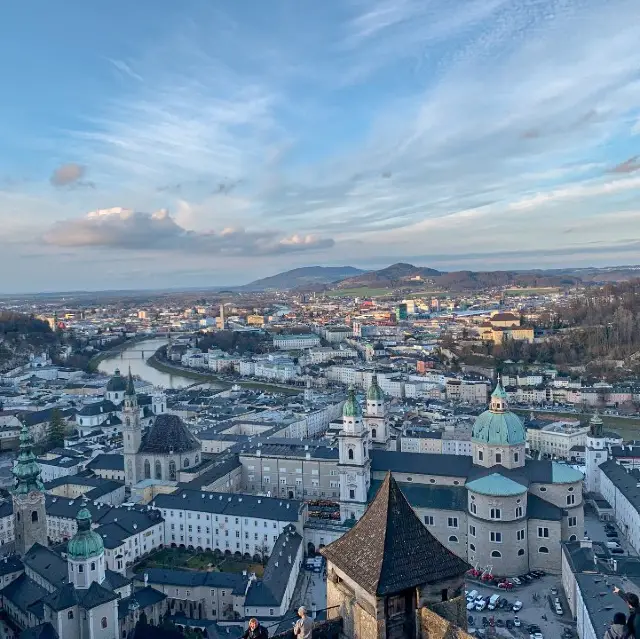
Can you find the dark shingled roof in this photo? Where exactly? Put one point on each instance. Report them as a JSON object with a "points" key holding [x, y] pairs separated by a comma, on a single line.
{"points": [[389, 549], [95, 595], [63, 598], [41, 631], [168, 434]]}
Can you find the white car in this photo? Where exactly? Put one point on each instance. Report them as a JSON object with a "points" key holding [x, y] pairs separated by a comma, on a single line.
{"points": [[481, 606], [558, 609], [516, 581], [517, 606], [516, 622], [471, 605]]}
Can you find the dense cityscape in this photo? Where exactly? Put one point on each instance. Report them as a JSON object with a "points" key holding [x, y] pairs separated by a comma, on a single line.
{"points": [[209, 457]]}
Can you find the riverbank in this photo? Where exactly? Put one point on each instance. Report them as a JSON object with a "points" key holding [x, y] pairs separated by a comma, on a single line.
{"points": [[94, 362], [159, 363]]}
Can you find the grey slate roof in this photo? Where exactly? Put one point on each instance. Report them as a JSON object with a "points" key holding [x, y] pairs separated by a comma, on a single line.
{"points": [[166, 576], [106, 462], [62, 598], [421, 463], [48, 564], [31, 418], [169, 434], [145, 597], [270, 590], [10, 564], [540, 509], [23, 593], [97, 408], [427, 495], [42, 631], [95, 595], [6, 508], [623, 480], [114, 580], [389, 550], [231, 504]]}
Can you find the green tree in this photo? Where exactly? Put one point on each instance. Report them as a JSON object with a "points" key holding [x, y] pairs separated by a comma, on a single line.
{"points": [[57, 430]]}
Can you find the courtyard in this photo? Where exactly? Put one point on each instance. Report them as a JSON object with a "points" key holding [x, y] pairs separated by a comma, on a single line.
{"points": [[182, 558]]}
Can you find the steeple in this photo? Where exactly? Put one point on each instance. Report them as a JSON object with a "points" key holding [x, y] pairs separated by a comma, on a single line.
{"points": [[498, 399], [27, 470], [596, 425], [131, 389]]}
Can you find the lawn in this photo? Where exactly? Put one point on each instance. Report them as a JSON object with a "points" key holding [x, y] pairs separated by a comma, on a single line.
{"points": [[194, 560], [363, 291], [628, 428]]}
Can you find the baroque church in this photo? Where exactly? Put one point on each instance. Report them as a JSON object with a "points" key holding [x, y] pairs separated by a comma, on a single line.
{"points": [[496, 508]]}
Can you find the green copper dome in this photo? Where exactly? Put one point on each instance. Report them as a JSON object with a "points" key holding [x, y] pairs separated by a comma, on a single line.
{"points": [[27, 470], [351, 407], [117, 383], [375, 394], [498, 425], [86, 543]]}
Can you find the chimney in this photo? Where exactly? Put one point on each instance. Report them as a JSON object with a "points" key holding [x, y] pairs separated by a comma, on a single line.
{"points": [[146, 579]]}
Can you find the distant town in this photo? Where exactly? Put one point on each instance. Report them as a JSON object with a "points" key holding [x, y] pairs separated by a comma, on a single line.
{"points": [[209, 455]]}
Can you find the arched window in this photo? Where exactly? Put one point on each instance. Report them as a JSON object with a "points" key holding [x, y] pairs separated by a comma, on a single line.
{"points": [[103, 623], [544, 550], [70, 614], [520, 552], [34, 516], [350, 453], [496, 553], [128, 421], [172, 470], [453, 539], [186, 462], [147, 469], [573, 538], [374, 433], [158, 469], [80, 568]]}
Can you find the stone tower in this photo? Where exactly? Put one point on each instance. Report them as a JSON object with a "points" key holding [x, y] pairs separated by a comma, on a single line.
{"points": [[375, 416], [354, 463], [390, 578], [131, 433], [85, 554], [28, 497], [596, 453]]}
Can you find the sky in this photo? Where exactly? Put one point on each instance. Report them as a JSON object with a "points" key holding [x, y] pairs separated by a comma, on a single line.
{"points": [[156, 144]]}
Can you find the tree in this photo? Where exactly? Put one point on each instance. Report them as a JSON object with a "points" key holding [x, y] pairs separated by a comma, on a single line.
{"points": [[57, 430]]}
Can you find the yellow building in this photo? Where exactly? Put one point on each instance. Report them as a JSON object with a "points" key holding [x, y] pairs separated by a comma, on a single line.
{"points": [[518, 333], [255, 320]]}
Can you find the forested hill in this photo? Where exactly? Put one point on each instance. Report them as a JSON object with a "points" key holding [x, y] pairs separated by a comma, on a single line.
{"points": [[21, 335]]}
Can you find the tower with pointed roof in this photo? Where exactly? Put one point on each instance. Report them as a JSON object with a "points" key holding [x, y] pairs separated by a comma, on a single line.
{"points": [[498, 437], [354, 464], [85, 554], [28, 497], [596, 453], [131, 432], [375, 416], [388, 568]]}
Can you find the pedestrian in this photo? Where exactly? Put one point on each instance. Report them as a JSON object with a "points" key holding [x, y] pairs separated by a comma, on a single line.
{"points": [[618, 629], [304, 626], [255, 631], [633, 620]]}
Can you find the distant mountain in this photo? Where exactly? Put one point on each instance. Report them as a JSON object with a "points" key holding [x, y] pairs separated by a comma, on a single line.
{"points": [[408, 276], [305, 277]]}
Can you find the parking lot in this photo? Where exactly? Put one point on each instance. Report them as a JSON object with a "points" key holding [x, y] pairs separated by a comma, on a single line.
{"points": [[596, 531], [537, 600]]}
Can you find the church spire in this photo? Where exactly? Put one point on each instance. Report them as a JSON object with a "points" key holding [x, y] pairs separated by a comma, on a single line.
{"points": [[131, 389], [27, 470]]}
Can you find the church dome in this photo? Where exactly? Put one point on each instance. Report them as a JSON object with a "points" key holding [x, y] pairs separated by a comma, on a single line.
{"points": [[86, 543], [117, 383], [351, 407], [375, 394], [169, 435], [498, 426]]}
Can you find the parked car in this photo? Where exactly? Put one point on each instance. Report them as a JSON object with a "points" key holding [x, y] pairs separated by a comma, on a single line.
{"points": [[516, 622], [517, 606], [509, 624], [471, 605], [612, 534], [554, 591], [559, 610], [516, 581], [499, 623], [485, 622], [532, 629], [617, 551], [470, 620]]}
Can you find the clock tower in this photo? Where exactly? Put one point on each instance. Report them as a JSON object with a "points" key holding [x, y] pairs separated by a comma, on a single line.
{"points": [[131, 433], [354, 462], [28, 497]]}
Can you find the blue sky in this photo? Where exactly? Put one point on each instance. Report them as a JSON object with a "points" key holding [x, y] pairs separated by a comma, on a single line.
{"points": [[196, 143]]}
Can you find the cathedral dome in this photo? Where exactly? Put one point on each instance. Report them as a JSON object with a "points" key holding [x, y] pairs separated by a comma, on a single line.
{"points": [[351, 407], [169, 435], [86, 543], [117, 383], [498, 426], [375, 393]]}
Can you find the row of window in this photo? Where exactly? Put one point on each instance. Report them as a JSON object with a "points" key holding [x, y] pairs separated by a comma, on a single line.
{"points": [[495, 513], [267, 469], [497, 554], [497, 458]]}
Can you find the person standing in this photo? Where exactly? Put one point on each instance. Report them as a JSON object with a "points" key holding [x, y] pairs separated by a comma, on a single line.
{"points": [[618, 629], [255, 631], [304, 626], [633, 620]]}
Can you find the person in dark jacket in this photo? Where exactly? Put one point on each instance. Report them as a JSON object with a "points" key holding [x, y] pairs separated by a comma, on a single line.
{"points": [[255, 631], [618, 629], [633, 620]]}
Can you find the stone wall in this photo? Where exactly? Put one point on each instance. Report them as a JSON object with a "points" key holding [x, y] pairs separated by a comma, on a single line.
{"points": [[433, 626], [331, 629]]}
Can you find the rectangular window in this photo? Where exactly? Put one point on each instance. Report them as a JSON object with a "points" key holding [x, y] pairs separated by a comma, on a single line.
{"points": [[573, 521], [496, 513], [571, 499], [496, 537], [543, 531], [452, 522], [472, 531], [474, 508], [520, 535], [518, 511], [428, 520]]}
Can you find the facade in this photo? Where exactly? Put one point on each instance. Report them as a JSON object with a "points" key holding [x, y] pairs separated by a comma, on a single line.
{"points": [[296, 341], [557, 438]]}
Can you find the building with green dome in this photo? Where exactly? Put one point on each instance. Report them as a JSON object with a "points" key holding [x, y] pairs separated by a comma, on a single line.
{"points": [[375, 415]]}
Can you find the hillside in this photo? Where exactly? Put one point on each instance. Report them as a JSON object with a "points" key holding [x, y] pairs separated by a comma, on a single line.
{"points": [[305, 277], [408, 276], [20, 336]]}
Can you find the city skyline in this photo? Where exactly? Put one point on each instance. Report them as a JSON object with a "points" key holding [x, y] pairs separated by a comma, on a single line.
{"points": [[209, 144]]}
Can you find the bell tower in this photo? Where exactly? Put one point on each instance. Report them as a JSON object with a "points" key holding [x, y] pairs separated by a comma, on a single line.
{"points": [[28, 497], [131, 432], [354, 463], [596, 453], [375, 417]]}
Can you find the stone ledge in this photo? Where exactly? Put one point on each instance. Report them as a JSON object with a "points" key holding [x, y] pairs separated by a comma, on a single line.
{"points": [[331, 629]]}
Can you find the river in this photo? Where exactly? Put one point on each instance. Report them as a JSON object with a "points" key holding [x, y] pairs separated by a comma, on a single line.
{"points": [[136, 357]]}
